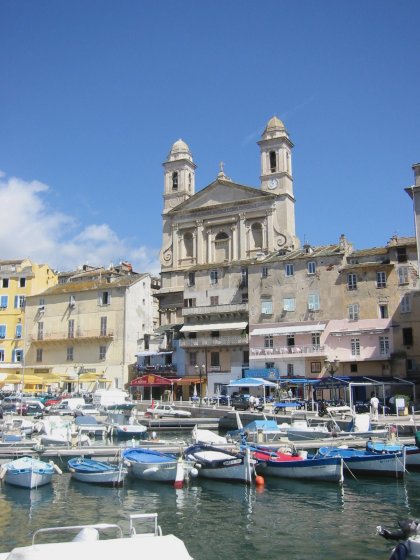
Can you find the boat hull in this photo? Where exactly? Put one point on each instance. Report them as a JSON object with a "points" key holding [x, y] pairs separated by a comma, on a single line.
{"points": [[28, 473], [325, 469], [106, 478], [363, 462], [149, 465], [219, 464]]}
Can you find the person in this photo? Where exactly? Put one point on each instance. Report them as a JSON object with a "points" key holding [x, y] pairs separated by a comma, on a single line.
{"points": [[256, 402], [374, 405], [251, 403], [290, 393]]}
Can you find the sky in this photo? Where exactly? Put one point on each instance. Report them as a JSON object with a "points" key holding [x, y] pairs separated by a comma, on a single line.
{"points": [[93, 93]]}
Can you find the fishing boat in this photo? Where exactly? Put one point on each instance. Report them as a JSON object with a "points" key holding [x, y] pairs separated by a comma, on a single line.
{"points": [[215, 462], [147, 464], [97, 541], [361, 461], [287, 463], [28, 472], [412, 452], [97, 472]]}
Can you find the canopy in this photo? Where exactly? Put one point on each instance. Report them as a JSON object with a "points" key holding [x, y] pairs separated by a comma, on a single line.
{"points": [[293, 329], [189, 380], [151, 353], [251, 382], [26, 378], [215, 327], [151, 381]]}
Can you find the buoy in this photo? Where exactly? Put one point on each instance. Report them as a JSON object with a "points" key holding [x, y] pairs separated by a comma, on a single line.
{"points": [[3, 472], [56, 468], [259, 480]]}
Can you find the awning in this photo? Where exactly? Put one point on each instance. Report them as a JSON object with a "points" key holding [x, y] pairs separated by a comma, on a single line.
{"points": [[215, 327], [294, 329], [189, 380], [151, 381], [151, 353], [27, 378], [251, 382]]}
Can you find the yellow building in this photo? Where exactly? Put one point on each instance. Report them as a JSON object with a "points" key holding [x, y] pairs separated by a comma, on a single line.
{"points": [[19, 279]]}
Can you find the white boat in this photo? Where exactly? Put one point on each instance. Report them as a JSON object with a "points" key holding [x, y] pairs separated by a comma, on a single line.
{"points": [[301, 429], [207, 436], [125, 426], [88, 542], [97, 472], [59, 430], [218, 463], [148, 464], [28, 472]]}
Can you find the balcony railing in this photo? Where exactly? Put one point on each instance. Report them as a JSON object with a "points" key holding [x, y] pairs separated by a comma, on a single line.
{"points": [[216, 341], [78, 336], [287, 351], [213, 309]]}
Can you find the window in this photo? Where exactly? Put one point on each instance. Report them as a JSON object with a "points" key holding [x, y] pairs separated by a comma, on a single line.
{"points": [[1, 355], [381, 279], [215, 359], [257, 235], [17, 356], [245, 357], [311, 267], [5, 283], [19, 302], [215, 334], [266, 307], [192, 358], [104, 298], [290, 340], [189, 302], [289, 269], [102, 352], [290, 370], [244, 277], [315, 367], [70, 353], [351, 281], [18, 330], [264, 272], [22, 282], [407, 334], [244, 297], [406, 303], [214, 300], [403, 275], [191, 279], [273, 161], [401, 254], [2, 331], [70, 329], [39, 354], [213, 277], [316, 340], [192, 335], [104, 321], [313, 302], [383, 345], [383, 311], [3, 302], [268, 341], [354, 311], [355, 346], [175, 181], [353, 368], [411, 364], [269, 365], [289, 304], [188, 244], [40, 330]]}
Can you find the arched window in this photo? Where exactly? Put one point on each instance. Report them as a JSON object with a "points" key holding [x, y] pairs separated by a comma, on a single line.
{"points": [[175, 181], [221, 242], [257, 238], [273, 162], [222, 236], [188, 244]]}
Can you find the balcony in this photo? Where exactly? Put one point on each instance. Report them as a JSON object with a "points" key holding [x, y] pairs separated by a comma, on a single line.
{"points": [[214, 341], [206, 310], [287, 352], [78, 336]]}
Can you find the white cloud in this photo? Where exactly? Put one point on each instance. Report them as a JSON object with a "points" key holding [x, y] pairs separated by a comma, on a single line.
{"points": [[31, 228]]}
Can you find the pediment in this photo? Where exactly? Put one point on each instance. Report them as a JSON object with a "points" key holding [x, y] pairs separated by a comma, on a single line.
{"points": [[221, 193]]}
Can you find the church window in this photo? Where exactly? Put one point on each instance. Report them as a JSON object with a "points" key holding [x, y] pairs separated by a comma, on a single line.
{"points": [[188, 244], [257, 237], [222, 236], [175, 181], [213, 277], [273, 162], [189, 181]]}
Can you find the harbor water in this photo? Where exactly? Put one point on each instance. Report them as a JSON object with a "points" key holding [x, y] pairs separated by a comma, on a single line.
{"points": [[284, 519]]}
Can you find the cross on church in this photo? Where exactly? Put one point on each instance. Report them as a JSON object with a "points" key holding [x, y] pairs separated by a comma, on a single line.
{"points": [[222, 165]]}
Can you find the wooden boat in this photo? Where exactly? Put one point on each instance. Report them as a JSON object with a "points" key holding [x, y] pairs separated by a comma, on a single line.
{"points": [[28, 472], [286, 463], [412, 452], [94, 541], [215, 462], [147, 464], [360, 461], [97, 472]]}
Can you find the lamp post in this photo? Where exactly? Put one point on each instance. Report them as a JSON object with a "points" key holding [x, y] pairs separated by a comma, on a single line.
{"points": [[332, 366]]}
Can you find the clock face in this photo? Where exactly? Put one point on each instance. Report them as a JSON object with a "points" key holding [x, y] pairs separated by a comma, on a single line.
{"points": [[272, 184]]}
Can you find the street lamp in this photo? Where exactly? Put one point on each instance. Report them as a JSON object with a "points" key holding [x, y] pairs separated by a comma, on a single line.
{"points": [[332, 366]]}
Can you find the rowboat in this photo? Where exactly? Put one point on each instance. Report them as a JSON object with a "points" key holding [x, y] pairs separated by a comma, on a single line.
{"points": [[96, 472], [215, 462], [28, 472], [147, 464], [412, 452]]}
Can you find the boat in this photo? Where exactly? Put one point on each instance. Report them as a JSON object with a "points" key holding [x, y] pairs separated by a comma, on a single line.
{"points": [[288, 463], [199, 435], [412, 452], [59, 430], [260, 431], [89, 425], [218, 463], [301, 429], [94, 541], [408, 533], [28, 472], [97, 472], [125, 426], [361, 461], [148, 464]]}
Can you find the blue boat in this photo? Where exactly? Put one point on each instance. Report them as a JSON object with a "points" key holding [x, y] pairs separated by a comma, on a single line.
{"points": [[412, 452], [361, 461], [147, 464], [97, 472]]}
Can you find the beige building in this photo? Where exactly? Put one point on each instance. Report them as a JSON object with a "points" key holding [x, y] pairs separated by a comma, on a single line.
{"points": [[88, 328]]}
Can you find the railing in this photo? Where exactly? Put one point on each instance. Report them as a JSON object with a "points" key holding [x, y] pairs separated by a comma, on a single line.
{"points": [[206, 309], [78, 335], [216, 341], [287, 351], [157, 368]]}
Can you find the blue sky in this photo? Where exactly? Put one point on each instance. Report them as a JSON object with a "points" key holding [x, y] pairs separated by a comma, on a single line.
{"points": [[94, 93]]}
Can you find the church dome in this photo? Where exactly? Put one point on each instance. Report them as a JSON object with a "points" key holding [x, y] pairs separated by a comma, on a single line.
{"points": [[180, 150]]}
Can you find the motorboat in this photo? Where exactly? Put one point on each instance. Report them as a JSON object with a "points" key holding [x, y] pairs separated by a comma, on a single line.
{"points": [[148, 464], [301, 429], [288, 463], [97, 472], [28, 472], [260, 431], [361, 461], [89, 425], [125, 426], [218, 463], [94, 541], [59, 430], [408, 533], [199, 435]]}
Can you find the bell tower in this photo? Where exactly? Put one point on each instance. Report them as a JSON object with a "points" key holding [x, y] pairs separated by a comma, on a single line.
{"points": [[179, 179]]}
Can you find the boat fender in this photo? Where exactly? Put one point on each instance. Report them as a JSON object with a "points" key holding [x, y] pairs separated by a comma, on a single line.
{"points": [[150, 470], [194, 472], [56, 468], [3, 472], [126, 463], [400, 552], [72, 470]]}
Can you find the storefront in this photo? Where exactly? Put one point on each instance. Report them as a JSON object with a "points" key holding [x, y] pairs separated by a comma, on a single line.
{"points": [[151, 386]]}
